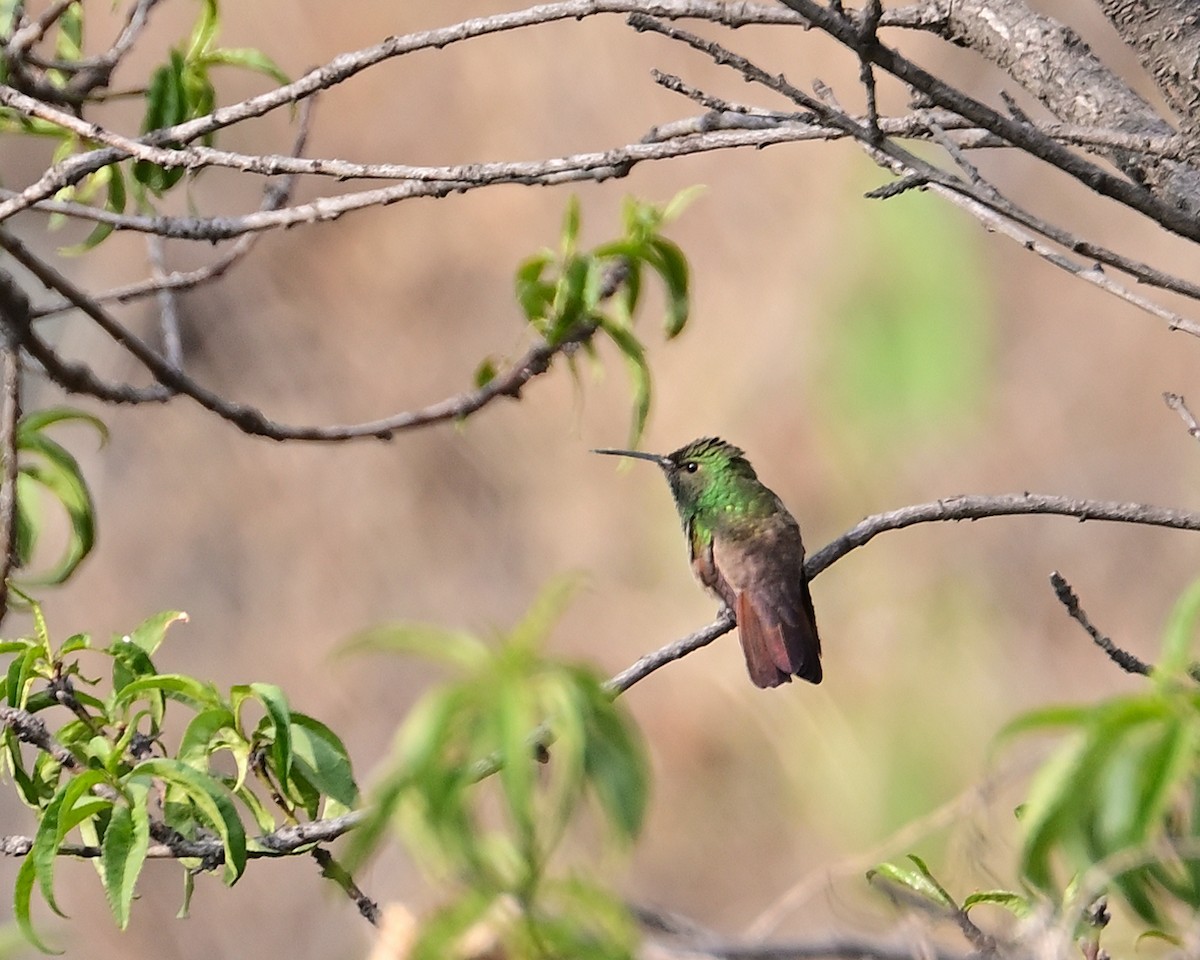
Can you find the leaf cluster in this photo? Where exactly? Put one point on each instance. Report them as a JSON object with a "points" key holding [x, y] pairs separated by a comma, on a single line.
{"points": [[108, 777], [179, 89], [569, 294], [1118, 803], [1114, 810], [468, 794]]}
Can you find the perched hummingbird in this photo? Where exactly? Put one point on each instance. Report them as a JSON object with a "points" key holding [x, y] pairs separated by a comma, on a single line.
{"points": [[746, 549]]}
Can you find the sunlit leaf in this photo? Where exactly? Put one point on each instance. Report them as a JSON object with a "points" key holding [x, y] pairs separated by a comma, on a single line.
{"points": [[639, 374], [150, 634], [212, 801], [1017, 904], [323, 758], [248, 59], [917, 879], [123, 851], [670, 263]]}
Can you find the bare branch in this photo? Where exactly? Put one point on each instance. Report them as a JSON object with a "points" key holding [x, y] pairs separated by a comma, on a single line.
{"points": [[29, 729], [1167, 214], [171, 380], [282, 842], [964, 507], [1122, 658], [984, 202], [25, 37], [332, 870], [1166, 36], [275, 196]]}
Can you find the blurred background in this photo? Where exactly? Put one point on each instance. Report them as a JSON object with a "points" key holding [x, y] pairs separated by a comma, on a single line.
{"points": [[866, 355]]}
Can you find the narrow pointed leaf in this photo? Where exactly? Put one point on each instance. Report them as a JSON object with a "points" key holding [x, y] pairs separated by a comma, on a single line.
{"points": [[123, 851]]}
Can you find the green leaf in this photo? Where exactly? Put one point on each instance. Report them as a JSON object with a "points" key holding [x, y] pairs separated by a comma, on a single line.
{"points": [[1045, 719], [28, 519], [670, 264], [69, 45], [213, 802], [570, 230], [115, 203], [514, 719], [189, 887], [177, 686], [275, 702], [60, 474], [441, 936], [38, 420], [58, 819], [1017, 904], [150, 634], [248, 59], [166, 106], [123, 851], [23, 903], [320, 754], [485, 373], [1177, 639], [204, 32], [920, 881], [639, 373], [533, 293], [615, 762], [569, 306], [209, 731], [681, 201]]}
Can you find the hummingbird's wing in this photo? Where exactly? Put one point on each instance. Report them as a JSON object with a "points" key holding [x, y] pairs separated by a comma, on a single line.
{"points": [[778, 627]]}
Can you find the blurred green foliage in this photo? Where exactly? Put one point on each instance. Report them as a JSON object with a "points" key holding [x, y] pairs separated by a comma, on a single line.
{"points": [[910, 348], [467, 793], [1115, 810]]}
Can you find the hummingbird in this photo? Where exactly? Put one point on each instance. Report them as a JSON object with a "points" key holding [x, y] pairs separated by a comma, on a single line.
{"points": [[746, 549]]}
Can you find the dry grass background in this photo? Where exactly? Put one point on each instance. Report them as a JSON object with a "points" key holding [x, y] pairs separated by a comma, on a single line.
{"points": [[934, 636]]}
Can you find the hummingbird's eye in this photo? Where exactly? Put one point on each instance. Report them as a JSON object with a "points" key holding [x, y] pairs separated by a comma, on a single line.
{"points": [[691, 466]]}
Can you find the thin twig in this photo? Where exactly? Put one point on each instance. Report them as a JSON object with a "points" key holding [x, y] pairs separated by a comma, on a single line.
{"points": [[332, 870], [168, 305], [1179, 405], [26, 36], [1029, 139], [889, 153], [30, 729], [534, 363], [1122, 658]]}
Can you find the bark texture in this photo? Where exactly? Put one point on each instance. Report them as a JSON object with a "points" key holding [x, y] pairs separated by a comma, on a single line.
{"points": [[1052, 63]]}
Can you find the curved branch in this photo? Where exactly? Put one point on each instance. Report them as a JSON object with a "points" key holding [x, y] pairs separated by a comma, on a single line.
{"points": [[958, 508]]}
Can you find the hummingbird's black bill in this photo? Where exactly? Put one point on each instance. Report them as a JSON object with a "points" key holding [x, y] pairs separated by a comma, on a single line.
{"points": [[637, 455]]}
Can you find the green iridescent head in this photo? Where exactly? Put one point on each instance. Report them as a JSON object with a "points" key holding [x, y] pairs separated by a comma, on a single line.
{"points": [[702, 472]]}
